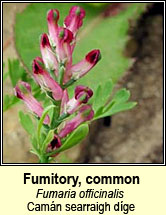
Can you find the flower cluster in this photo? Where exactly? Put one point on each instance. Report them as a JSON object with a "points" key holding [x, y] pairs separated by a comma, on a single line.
{"points": [[55, 72]]}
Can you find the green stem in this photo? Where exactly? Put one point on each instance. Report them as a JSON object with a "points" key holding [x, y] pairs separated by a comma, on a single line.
{"points": [[43, 159], [69, 83], [61, 74], [60, 119], [53, 74], [55, 116]]}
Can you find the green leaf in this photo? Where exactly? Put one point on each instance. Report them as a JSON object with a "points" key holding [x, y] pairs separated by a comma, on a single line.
{"points": [[118, 108], [117, 104], [48, 139], [73, 139], [122, 107], [15, 71], [110, 35], [102, 95], [76, 137], [121, 96], [97, 99], [26, 123], [34, 145], [9, 101], [107, 90], [5, 76], [40, 123]]}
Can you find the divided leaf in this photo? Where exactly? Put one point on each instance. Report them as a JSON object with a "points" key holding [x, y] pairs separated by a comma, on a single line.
{"points": [[121, 95], [102, 95], [119, 108], [117, 104]]}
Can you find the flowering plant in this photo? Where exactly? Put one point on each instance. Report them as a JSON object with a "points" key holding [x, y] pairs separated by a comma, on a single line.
{"points": [[64, 123]]}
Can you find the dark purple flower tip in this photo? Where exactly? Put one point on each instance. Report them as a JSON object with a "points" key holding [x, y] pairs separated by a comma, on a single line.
{"points": [[17, 92], [45, 41], [22, 88], [37, 66], [87, 112], [55, 144], [65, 35], [94, 56], [83, 93], [53, 16]]}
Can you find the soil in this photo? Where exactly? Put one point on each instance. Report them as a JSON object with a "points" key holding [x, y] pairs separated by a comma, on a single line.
{"points": [[135, 136], [129, 137]]}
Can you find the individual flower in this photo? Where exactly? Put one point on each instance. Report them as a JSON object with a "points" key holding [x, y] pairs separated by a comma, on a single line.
{"points": [[52, 20], [85, 114], [82, 95], [44, 79], [48, 55], [23, 91], [75, 19], [80, 69], [63, 48], [55, 144]]}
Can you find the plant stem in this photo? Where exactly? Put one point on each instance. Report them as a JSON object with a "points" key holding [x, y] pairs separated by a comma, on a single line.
{"points": [[43, 159], [69, 83], [60, 119], [61, 74]]}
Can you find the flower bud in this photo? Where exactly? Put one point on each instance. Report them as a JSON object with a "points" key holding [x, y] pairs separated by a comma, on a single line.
{"points": [[85, 114], [80, 69], [75, 19], [52, 19], [44, 79], [48, 56], [23, 91]]}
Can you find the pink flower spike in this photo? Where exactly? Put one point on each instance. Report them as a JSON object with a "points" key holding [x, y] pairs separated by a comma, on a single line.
{"points": [[55, 144], [82, 95], [75, 19], [80, 69], [85, 114], [26, 95], [48, 56], [44, 79], [52, 19]]}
